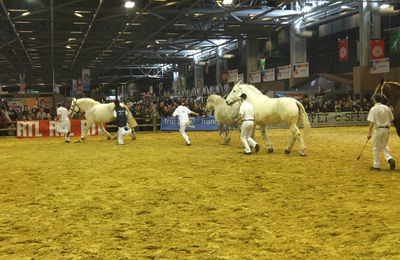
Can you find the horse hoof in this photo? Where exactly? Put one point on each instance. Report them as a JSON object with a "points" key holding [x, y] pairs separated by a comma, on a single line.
{"points": [[287, 151], [108, 138], [303, 154], [270, 150]]}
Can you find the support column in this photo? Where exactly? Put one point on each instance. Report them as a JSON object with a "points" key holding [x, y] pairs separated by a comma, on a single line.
{"points": [[217, 66], [365, 32], [298, 51], [252, 56]]}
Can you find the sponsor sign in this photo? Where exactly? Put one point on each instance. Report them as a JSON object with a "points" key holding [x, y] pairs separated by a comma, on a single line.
{"points": [[255, 77], [49, 128], [233, 75], [86, 80], [269, 75], [284, 72], [199, 124], [379, 66], [300, 70]]}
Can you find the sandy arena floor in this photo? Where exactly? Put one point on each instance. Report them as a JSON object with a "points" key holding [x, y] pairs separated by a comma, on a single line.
{"points": [[155, 198]]}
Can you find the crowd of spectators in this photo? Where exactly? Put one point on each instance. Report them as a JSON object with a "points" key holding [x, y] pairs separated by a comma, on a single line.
{"points": [[320, 104]]}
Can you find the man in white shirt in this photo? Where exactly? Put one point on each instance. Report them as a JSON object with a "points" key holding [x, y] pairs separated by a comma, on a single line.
{"points": [[182, 112], [380, 117], [246, 116], [63, 122]]}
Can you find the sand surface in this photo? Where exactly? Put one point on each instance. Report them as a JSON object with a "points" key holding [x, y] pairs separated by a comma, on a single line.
{"points": [[155, 198]]}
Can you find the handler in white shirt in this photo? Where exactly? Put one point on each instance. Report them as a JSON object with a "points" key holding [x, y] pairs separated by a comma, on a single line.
{"points": [[246, 115], [182, 112], [64, 126], [380, 117]]}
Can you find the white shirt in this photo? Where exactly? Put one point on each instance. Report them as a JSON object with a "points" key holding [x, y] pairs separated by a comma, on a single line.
{"points": [[183, 113], [246, 109], [62, 113], [380, 115]]}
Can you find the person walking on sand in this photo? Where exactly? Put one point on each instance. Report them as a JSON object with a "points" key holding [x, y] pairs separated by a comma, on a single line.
{"points": [[183, 112], [380, 117]]}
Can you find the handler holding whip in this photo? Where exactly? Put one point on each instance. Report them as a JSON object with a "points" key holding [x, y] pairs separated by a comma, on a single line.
{"points": [[380, 117], [64, 126]]}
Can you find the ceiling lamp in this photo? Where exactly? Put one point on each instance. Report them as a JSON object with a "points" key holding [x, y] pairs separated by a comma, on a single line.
{"points": [[384, 6], [129, 4], [78, 14], [227, 2], [307, 8], [26, 13]]}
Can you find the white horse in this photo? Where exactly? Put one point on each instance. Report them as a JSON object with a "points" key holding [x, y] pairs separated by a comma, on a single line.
{"points": [[95, 112], [272, 111], [224, 115]]}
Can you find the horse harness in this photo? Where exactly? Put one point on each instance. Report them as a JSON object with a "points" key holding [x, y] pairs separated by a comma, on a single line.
{"points": [[75, 104]]}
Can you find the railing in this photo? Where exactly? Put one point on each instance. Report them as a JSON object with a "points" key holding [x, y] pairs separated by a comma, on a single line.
{"points": [[154, 125]]}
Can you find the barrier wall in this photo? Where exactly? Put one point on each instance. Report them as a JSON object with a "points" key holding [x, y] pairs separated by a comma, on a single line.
{"points": [[316, 120], [45, 128]]}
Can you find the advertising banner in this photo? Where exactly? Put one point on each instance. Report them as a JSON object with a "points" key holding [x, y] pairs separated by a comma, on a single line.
{"points": [[269, 75], [379, 66], [86, 80], [343, 49], [377, 49], [48, 128], [300, 70], [284, 72], [233, 76], [394, 37], [198, 123], [255, 77]]}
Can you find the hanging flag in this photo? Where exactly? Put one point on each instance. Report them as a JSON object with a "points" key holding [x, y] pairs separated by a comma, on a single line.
{"points": [[86, 80], [377, 49], [343, 49], [394, 42]]}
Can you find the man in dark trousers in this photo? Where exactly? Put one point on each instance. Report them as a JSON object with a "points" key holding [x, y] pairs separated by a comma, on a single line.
{"points": [[121, 118]]}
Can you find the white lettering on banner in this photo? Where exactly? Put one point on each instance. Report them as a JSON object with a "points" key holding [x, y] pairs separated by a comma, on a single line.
{"points": [[28, 129], [92, 129], [21, 129], [338, 118], [208, 122], [37, 129], [170, 121], [53, 128]]}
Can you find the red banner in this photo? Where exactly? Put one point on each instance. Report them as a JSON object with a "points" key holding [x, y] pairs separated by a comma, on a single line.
{"points": [[343, 49], [377, 49], [47, 128]]}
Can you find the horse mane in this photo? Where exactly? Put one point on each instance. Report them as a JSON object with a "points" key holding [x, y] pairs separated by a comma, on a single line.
{"points": [[252, 88], [88, 100], [216, 98]]}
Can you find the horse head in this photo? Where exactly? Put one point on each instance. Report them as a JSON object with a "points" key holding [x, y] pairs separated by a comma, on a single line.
{"points": [[234, 95], [74, 109]]}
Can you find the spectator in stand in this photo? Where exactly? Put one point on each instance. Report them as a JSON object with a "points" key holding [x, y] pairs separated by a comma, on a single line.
{"points": [[3, 123], [41, 115]]}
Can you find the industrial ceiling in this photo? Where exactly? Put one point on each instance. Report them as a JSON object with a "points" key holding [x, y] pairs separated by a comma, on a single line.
{"points": [[56, 39]]}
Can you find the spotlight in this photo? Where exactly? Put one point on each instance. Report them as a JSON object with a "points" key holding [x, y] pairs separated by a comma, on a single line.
{"points": [[129, 4], [227, 2]]}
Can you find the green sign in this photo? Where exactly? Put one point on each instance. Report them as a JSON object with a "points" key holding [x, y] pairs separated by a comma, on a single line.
{"points": [[395, 42], [262, 64]]}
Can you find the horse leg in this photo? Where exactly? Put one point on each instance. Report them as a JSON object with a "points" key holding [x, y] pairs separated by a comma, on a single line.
{"points": [[295, 134], [89, 123], [103, 128], [266, 139]]}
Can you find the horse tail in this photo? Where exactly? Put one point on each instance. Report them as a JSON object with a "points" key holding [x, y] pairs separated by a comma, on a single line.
{"points": [[131, 120], [304, 118]]}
